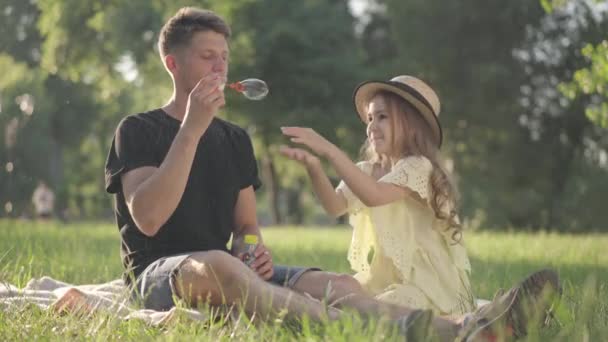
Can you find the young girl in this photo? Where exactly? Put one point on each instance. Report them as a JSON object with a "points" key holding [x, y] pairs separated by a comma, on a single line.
{"points": [[407, 245]]}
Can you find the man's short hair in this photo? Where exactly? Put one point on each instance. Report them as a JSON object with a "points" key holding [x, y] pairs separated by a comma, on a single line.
{"points": [[179, 29]]}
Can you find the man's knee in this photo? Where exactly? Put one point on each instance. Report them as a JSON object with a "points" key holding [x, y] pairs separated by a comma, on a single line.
{"points": [[207, 276], [217, 265]]}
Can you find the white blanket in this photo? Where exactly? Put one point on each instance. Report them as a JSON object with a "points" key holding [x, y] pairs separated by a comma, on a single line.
{"points": [[112, 297], [60, 297]]}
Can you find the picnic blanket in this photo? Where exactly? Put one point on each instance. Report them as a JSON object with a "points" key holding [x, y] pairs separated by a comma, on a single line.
{"points": [[113, 297]]}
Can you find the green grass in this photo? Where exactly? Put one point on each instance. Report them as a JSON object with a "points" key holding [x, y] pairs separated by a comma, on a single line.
{"points": [[89, 253]]}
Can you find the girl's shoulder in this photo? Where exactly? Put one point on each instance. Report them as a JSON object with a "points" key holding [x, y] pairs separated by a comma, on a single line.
{"points": [[417, 162], [366, 166]]}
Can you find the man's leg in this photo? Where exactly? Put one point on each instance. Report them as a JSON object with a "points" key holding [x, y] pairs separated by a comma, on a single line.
{"points": [[347, 292], [218, 278]]}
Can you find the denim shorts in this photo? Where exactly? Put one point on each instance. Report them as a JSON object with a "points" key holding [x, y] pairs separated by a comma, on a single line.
{"points": [[155, 286]]}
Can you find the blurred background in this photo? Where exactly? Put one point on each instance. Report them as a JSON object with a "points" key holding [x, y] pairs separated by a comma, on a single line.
{"points": [[523, 83]]}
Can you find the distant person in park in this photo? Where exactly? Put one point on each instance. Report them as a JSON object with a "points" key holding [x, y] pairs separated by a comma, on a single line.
{"points": [[43, 199], [402, 204]]}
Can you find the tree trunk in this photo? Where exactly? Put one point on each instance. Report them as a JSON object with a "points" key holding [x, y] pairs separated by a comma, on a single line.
{"points": [[56, 176], [294, 204], [270, 178], [565, 155]]}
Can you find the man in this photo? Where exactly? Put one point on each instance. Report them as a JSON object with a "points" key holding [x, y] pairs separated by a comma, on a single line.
{"points": [[184, 183]]}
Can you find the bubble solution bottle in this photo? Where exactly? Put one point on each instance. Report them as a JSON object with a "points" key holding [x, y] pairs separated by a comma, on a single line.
{"points": [[251, 243]]}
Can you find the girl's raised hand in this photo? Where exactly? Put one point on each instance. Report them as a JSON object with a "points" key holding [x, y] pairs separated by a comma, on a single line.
{"points": [[300, 155], [309, 138]]}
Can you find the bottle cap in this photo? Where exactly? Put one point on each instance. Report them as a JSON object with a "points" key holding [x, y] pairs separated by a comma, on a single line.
{"points": [[251, 239]]}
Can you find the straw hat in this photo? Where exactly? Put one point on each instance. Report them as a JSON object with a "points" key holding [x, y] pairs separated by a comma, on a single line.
{"points": [[411, 89]]}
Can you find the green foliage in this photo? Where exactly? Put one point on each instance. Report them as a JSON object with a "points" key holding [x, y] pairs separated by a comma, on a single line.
{"points": [[104, 57], [549, 5], [520, 149], [308, 55], [23, 101], [562, 147], [523, 154], [466, 54], [592, 80]]}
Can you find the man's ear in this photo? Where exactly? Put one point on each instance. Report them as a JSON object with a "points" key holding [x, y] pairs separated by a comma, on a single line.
{"points": [[171, 63]]}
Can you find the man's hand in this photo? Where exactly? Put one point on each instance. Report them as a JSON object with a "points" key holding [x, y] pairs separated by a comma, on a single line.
{"points": [[262, 265], [203, 103]]}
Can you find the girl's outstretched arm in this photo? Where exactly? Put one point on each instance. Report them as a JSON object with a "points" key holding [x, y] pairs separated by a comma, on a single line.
{"points": [[333, 202], [371, 192]]}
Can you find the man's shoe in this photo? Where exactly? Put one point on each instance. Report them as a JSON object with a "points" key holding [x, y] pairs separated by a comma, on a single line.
{"points": [[508, 316]]}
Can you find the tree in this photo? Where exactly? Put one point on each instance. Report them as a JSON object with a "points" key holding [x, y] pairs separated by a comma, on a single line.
{"points": [[47, 107], [105, 53], [566, 146], [591, 80], [308, 54], [464, 50]]}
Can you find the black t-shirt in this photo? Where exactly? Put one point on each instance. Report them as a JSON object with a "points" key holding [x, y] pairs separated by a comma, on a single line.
{"points": [[204, 218]]}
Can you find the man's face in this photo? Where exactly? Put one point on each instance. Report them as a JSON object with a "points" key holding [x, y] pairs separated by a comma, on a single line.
{"points": [[206, 54]]}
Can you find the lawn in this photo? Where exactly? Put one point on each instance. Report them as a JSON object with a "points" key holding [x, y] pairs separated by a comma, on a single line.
{"points": [[89, 253]]}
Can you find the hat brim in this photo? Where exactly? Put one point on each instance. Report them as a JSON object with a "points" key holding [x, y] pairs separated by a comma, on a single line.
{"points": [[364, 92]]}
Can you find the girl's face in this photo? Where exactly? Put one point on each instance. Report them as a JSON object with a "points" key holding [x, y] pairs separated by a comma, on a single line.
{"points": [[379, 126]]}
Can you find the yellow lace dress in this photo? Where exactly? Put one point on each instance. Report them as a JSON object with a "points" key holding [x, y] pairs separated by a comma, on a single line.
{"points": [[402, 253]]}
